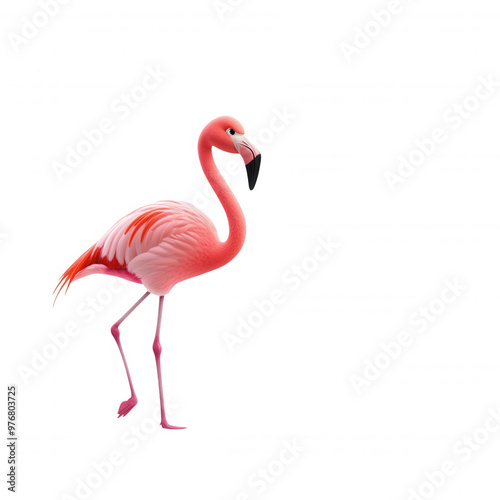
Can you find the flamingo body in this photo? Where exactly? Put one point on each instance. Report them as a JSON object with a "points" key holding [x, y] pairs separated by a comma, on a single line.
{"points": [[157, 245]]}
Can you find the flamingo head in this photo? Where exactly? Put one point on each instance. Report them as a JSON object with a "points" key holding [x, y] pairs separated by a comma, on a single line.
{"points": [[227, 134]]}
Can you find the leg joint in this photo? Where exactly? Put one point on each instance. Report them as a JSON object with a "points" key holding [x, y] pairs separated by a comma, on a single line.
{"points": [[157, 347], [115, 332]]}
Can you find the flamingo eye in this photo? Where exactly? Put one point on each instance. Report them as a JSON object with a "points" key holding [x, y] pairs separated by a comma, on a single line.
{"points": [[231, 131]]}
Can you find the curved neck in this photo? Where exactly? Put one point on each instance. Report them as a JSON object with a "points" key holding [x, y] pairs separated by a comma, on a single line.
{"points": [[234, 214]]}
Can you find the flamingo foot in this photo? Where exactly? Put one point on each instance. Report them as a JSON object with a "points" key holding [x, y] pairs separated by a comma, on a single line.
{"points": [[126, 406], [166, 425]]}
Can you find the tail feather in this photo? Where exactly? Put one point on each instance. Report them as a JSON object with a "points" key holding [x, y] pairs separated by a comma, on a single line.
{"points": [[70, 274]]}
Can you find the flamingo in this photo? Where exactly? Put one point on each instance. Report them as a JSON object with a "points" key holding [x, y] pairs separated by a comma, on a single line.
{"points": [[162, 244]]}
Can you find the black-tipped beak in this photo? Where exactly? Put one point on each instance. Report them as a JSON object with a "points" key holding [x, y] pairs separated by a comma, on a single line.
{"points": [[251, 157], [253, 171]]}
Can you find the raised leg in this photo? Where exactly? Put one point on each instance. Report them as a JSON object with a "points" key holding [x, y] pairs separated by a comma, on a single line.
{"points": [[126, 406], [157, 351]]}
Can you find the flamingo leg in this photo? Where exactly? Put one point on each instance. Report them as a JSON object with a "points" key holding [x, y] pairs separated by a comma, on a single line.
{"points": [[157, 352], [126, 406]]}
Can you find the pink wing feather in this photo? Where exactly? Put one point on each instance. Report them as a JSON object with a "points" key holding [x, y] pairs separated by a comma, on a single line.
{"points": [[157, 245]]}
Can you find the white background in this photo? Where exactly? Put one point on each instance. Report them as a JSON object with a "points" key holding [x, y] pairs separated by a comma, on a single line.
{"points": [[322, 175]]}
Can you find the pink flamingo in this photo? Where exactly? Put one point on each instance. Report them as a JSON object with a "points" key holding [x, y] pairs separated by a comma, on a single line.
{"points": [[167, 242]]}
